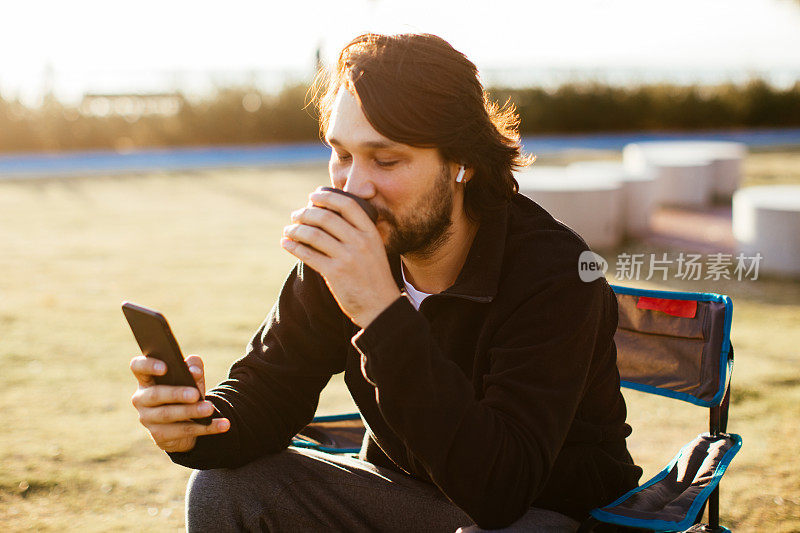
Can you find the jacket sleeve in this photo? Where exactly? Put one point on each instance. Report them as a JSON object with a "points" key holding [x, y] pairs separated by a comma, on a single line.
{"points": [[272, 392], [490, 451]]}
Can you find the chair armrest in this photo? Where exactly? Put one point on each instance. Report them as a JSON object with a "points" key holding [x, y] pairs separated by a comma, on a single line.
{"points": [[672, 499], [332, 434]]}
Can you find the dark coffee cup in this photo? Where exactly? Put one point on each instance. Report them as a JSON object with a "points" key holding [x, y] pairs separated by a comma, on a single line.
{"points": [[371, 212]]}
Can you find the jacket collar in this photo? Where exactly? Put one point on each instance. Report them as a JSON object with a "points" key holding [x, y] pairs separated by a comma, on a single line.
{"points": [[480, 274]]}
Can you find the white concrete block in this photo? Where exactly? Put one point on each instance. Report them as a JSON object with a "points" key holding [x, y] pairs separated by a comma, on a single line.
{"points": [[766, 220], [592, 206], [726, 159], [638, 192]]}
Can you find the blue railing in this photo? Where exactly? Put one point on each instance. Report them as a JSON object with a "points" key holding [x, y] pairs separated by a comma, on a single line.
{"points": [[111, 162]]}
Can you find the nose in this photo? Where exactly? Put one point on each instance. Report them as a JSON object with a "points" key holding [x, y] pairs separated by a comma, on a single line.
{"points": [[358, 181]]}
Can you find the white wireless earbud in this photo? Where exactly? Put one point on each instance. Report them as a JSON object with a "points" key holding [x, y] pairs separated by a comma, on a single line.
{"points": [[460, 175]]}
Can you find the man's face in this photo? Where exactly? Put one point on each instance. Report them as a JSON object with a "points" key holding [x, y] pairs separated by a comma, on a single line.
{"points": [[410, 187]]}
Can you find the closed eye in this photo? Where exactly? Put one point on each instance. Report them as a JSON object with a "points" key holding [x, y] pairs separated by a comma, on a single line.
{"points": [[385, 164]]}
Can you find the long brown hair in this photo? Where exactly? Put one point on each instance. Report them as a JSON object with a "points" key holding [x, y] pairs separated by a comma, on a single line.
{"points": [[416, 89]]}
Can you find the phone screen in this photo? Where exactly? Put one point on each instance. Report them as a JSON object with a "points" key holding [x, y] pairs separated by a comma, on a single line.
{"points": [[155, 339]]}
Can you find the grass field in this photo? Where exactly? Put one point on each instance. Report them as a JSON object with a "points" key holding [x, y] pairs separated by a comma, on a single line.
{"points": [[203, 249]]}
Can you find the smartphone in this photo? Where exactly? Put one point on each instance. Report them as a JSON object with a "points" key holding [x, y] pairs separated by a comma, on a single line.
{"points": [[155, 339]]}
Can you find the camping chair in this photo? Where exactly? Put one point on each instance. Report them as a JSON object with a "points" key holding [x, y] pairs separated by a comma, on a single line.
{"points": [[673, 344]]}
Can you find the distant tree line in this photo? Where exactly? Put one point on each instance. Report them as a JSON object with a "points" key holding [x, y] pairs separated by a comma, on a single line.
{"points": [[594, 107], [247, 116]]}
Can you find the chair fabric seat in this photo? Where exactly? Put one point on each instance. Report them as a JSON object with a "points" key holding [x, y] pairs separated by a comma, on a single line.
{"points": [[673, 498], [332, 434]]}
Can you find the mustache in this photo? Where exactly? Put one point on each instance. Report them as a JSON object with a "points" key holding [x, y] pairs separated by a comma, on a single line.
{"points": [[385, 214]]}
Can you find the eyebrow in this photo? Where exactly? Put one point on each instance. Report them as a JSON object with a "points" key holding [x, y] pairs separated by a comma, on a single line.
{"points": [[369, 144]]}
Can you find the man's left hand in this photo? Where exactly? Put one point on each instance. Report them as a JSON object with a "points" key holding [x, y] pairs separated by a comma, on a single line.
{"points": [[335, 237]]}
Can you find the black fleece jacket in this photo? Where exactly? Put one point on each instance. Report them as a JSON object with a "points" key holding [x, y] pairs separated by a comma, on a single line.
{"points": [[502, 390]]}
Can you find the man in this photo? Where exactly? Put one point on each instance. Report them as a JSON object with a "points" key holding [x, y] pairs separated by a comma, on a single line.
{"points": [[484, 369]]}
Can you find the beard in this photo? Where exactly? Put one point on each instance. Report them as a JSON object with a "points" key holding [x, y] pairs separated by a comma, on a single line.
{"points": [[428, 225]]}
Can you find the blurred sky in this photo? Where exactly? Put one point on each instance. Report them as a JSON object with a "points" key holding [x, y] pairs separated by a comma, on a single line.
{"points": [[157, 45]]}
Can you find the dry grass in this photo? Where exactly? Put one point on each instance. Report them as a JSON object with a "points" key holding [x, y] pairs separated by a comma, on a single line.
{"points": [[203, 248]]}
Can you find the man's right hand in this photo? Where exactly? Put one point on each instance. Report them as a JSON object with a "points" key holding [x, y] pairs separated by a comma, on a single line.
{"points": [[166, 410]]}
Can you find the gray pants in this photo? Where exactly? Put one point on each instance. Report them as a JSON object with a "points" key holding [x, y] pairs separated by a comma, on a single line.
{"points": [[300, 490]]}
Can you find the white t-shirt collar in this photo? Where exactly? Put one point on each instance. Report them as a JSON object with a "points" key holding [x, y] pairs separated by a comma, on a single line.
{"points": [[413, 294]]}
